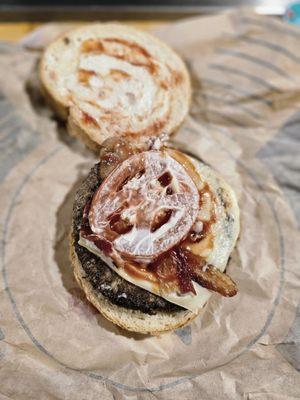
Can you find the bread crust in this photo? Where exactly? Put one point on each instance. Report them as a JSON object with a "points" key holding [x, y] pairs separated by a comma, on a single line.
{"points": [[131, 320], [59, 108], [76, 131]]}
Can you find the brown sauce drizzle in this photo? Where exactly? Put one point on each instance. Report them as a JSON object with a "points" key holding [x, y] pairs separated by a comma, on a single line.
{"points": [[186, 163], [139, 271]]}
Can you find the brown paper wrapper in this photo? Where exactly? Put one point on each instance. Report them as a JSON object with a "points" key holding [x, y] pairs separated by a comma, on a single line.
{"points": [[244, 122]]}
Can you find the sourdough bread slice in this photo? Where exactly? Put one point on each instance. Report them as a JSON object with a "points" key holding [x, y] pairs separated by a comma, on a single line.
{"points": [[109, 79], [131, 320]]}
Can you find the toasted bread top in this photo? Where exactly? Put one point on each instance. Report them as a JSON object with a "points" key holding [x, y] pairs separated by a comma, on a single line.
{"points": [[115, 80]]}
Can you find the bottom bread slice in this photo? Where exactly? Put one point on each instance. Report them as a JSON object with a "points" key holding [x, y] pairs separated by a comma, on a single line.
{"points": [[131, 320]]}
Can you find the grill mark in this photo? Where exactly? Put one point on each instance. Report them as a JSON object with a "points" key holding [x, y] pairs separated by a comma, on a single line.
{"points": [[131, 44], [271, 46], [152, 129], [231, 103], [84, 75], [98, 46], [118, 74], [142, 58], [92, 45], [229, 86], [255, 60], [250, 77]]}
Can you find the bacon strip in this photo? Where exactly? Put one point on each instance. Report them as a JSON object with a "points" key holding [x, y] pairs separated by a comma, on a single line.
{"points": [[208, 276], [184, 273], [178, 266], [213, 279]]}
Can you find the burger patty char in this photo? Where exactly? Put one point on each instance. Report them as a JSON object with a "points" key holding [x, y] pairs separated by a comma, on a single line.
{"points": [[102, 278]]}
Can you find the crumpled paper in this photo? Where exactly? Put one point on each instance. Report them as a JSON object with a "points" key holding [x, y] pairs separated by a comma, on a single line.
{"points": [[244, 122]]}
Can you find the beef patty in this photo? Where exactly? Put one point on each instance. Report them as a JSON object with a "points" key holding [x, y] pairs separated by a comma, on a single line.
{"points": [[102, 278]]}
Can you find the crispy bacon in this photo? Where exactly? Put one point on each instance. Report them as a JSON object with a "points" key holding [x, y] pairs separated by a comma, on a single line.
{"points": [[208, 276], [184, 272], [176, 268], [213, 279], [180, 267]]}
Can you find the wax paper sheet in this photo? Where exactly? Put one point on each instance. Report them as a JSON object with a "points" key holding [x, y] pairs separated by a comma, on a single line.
{"points": [[244, 122]]}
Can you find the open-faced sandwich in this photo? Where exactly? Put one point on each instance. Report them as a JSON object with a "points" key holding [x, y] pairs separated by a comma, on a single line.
{"points": [[152, 227], [110, 80], [152, 233]]}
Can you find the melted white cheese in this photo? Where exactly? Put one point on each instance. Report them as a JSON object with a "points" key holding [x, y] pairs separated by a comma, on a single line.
{"points": [[189, 301]]}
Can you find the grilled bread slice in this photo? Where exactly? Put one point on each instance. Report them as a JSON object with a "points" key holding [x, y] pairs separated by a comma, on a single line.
{"points": [[111, 80]]}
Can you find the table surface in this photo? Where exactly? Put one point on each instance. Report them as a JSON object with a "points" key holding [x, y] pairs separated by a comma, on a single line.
{"points": [[16, 30]]}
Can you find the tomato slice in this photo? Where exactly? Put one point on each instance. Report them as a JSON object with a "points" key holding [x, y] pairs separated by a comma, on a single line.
{"points": [[146, 206]]}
